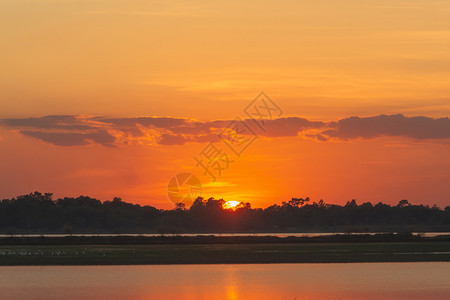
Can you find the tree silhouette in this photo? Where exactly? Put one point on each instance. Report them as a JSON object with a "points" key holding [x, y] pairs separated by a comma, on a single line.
{"points": [[38, 213], [296, 202]]}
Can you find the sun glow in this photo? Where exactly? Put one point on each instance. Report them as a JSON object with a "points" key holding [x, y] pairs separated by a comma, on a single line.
{"points": [[231, 205]]}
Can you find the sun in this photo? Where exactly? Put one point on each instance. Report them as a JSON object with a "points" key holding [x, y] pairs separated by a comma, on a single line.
{"points": [[231, 205]]}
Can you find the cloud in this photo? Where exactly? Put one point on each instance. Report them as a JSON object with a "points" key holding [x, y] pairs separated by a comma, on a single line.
{"points": [[392, 125], [71, 138], [66, 122], [136, 126], [77, 130], [291, 126], [172, 139], [160, 122]]}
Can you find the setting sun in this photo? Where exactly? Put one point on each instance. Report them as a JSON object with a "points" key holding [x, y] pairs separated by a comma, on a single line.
{"points": [[231, 205]]}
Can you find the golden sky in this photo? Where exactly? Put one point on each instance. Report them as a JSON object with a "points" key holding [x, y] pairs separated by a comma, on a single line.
{"points": [[203, 61]]}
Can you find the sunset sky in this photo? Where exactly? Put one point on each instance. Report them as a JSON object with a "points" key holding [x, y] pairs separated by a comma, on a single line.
{"points": [[114, 98]]}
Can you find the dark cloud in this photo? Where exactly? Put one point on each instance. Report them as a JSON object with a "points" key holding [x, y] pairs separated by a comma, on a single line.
{"points": [[194, 128], [68, 130], [66, 122], [317, 137], [205, 138], [392, 125], [72, 138], [171, 139]]}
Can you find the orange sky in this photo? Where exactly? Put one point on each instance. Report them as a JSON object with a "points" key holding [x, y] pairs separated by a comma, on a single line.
{"points": [[319, 60]]}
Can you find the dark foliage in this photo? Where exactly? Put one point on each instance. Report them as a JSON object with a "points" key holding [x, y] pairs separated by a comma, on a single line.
{"points": [[39, 213]]}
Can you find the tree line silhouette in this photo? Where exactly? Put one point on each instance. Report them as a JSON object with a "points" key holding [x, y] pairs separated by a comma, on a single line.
{"points": [[40, 213]]}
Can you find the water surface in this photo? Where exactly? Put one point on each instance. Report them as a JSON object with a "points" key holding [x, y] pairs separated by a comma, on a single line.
{"points": [[369, 281]]}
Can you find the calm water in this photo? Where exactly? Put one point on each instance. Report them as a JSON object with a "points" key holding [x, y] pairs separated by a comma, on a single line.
{"points": [[277, 281]]}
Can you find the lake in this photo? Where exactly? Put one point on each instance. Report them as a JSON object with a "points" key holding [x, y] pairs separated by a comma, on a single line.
{"points": [[258, 281]]}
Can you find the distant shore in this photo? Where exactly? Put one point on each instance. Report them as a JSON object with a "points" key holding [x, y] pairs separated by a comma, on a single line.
{"points": [[135, 250]]}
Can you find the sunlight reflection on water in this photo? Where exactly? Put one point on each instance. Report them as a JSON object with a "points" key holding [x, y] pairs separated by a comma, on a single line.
{"points": [[371, 281]]}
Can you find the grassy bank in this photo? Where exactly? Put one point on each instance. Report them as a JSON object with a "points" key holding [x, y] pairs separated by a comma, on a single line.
{"points": [[220, 250]]}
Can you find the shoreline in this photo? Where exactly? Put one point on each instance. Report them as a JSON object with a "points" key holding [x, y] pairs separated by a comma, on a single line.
{"points": [[170, 250], [216, 239]]}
